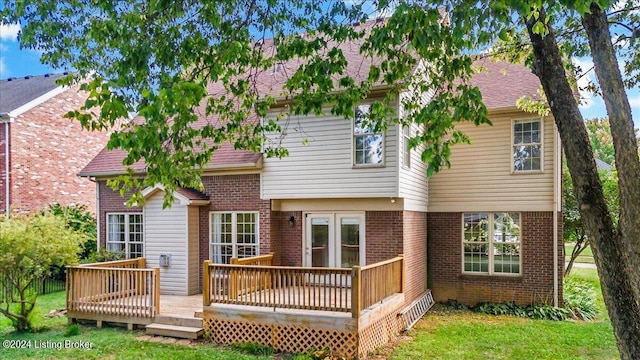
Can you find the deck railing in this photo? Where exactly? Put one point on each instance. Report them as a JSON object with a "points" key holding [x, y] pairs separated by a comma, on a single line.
{"points": [[308, 288], [379, 281], [121, 288]]}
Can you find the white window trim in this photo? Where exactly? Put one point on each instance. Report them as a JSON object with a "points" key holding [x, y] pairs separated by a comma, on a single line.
{"points": [[353, 145], [234, 232], [490, 242], [513, 121], [126, 232]]}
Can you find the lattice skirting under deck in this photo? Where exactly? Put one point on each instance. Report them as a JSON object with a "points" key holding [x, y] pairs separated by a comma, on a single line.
{"points": [[285, 338]]}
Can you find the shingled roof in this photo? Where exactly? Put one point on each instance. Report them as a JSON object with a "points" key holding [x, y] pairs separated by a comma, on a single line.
{"points": [[18, 91], [501, 84]]}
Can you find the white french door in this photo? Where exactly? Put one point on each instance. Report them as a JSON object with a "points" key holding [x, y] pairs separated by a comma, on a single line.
{"points": [[334, 240]]}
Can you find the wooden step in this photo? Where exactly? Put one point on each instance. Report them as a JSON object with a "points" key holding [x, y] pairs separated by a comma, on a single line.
{"points": [[178, 320], [183, 332]]}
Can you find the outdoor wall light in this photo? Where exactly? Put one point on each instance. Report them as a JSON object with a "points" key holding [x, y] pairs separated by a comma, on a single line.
{"points": [[292, 221]]}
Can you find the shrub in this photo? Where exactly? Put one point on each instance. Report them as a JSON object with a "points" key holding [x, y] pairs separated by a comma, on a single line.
{"points": [[79, 219], [579, 298], [534, 311], [31, 248], [104, 255]]}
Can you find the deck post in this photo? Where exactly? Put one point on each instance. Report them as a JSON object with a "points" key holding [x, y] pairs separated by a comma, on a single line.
{"points": [[355, 291], [402, 273], [206, 283], [68, 287], [233, 281], [156, 289], [142, 263]]}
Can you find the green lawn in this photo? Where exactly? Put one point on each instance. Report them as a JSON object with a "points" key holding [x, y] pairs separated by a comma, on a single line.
{"points": [[585, 257], [106, 343], [440, 335], [465, 335]]}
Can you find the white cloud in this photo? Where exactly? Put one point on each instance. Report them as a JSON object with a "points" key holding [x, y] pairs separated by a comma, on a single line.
{"points": [[3, 68], [586, 77], [634, 102], [9, 31]]}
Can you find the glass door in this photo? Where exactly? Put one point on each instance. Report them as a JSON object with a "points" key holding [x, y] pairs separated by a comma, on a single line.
{"points": [[319, 244], [334, 240]]}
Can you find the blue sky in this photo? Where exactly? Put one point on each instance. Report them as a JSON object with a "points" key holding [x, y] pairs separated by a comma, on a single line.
{"points": [[15, 62]]}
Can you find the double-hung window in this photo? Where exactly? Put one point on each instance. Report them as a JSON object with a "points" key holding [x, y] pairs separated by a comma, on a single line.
{"points": [[233, 234], [491, 243], [368, 146], [527, 145], [125, 234]]}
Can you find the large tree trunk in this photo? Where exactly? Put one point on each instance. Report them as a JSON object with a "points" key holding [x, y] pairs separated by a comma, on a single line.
{"points": [[609, 246], [623, 134]]}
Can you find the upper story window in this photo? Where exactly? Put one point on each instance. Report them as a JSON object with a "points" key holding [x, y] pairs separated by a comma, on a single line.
{"points": [[491, 243], [527, 145], [125, 234], [368, 146], [406, 149], [233, 234]]}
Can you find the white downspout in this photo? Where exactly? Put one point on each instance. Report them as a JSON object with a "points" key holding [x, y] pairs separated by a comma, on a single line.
{"points": [[557, 186], [97, 216], [6, 169]]}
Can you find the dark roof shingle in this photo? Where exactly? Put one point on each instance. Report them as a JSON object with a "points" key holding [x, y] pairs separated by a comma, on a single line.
{"points": [[16, 92], [501, 84]]}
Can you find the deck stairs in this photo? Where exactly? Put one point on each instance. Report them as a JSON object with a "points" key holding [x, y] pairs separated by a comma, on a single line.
{"points": [[177, 326]]}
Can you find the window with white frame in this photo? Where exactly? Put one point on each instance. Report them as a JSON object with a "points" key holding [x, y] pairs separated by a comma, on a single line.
{"points": [[406, 149], [527, 145], [368, 146], [233, 234], [125, 234], [491, 243]]}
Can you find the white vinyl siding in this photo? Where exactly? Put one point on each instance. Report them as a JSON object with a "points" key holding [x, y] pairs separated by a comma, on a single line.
{"points": [[412, 180], [481, 177], [320, 162], [166, 233]]}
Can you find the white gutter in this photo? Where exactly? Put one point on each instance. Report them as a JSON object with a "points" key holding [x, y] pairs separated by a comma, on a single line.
{"points": [[557, 186]]}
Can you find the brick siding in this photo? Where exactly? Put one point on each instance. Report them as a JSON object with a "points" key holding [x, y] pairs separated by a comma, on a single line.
{"points": [[535, 283], [234, 193], [415, 254], [111, 202], [288, 239], [47, 151]]}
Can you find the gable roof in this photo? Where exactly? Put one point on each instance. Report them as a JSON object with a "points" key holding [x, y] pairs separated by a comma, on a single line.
{"points": [[20, 94], [503, 83], [500, 83]]}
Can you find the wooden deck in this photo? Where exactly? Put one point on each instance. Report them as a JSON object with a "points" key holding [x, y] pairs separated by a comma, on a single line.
{"points": [[292, 309]]}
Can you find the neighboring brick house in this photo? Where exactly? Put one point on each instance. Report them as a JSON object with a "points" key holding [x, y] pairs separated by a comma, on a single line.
{"points": [[41, 151]]}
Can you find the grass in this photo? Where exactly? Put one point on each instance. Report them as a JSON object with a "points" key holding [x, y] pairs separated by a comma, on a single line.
{"points": [[446, 334], [106, 343], [441, 334], [585, 257]]}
